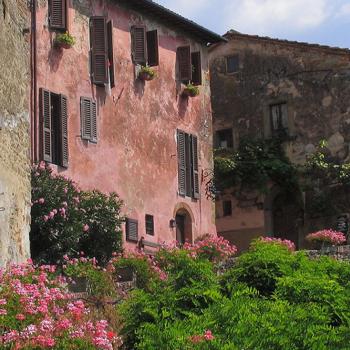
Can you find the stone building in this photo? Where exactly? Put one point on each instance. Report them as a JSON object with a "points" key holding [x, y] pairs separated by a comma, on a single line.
{"points": [[14, 131], [262, 87], [99, 121]]}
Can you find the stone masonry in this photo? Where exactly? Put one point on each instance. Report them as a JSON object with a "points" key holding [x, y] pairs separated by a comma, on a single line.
{"points": [[14, 131]]}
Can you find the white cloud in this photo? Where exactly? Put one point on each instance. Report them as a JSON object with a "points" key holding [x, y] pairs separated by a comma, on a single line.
{"points": [[269, 16], [344, 11]]}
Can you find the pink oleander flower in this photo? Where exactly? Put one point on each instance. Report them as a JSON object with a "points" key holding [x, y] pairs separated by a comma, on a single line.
{"points": [[65, 190], [41, 200], [51, 214], [328, 236], [65, 204], [45, 218], [284, 242], [86, 228], [20, 317]]}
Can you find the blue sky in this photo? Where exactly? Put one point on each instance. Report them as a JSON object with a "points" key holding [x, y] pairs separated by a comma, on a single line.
{"points": [[315, 21]]}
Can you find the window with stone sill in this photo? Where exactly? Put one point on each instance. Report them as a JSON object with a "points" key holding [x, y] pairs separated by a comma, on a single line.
{"points": [[224, 139], [279, 119]]}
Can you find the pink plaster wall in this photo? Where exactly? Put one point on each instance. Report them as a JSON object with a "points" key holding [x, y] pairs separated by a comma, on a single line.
{"points": [[136, 153]]}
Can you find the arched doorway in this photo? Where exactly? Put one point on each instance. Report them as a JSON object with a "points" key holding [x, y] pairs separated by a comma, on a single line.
{"points": [[184, 223]]}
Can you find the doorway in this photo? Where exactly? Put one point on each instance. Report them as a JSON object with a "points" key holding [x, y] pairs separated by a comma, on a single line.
{"points": [[183, 226]]}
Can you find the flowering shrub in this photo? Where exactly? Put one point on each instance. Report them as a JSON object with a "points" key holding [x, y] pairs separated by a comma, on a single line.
{"points": [[284, 242], [327, 236], [37, 313], [66, 220], [213, 248], [207, 336]]}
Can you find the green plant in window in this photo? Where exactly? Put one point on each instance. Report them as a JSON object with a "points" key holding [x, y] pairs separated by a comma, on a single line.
{"points": [[191, 90], [147, 73]]}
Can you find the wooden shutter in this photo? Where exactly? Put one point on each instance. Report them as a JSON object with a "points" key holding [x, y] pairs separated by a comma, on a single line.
{"points": [[110, 53], [152, 48], [138, 40], [63, 132], [46, 125], [184, 63], [98, 42], [85, 115], [132, 230], [181, 154], [195, 176], [58, 14], [196, 68], [189, 172], [93, 122]]}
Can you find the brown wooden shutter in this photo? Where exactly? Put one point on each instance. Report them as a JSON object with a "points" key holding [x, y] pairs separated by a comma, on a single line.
{"points": [[63, 132], [196, 68], [93, 122], [58, 14], [195, 176], [139, 48], [189, 172], [110, 53], [132, 230], [85, 115], [152, 48], [181, 154], [46, 125], [184, 63], [98, 42]]}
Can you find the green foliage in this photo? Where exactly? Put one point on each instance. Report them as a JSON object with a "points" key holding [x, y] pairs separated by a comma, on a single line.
{"points": [[191, 90], [65, 38], [149, 71], [66, 220], [260, 267], [255, 164], [271, 298]]}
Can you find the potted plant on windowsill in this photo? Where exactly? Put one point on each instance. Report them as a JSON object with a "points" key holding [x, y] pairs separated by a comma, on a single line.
{"points": [[64, 40], [147, 73], [190, 90]]}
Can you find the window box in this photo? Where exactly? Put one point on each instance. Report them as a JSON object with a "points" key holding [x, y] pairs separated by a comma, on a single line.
{"points": [[65, 41], [147, 73], [190, 91]]}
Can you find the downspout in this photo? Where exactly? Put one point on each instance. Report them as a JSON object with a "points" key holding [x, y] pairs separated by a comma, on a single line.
{"points": [[34, 94]]}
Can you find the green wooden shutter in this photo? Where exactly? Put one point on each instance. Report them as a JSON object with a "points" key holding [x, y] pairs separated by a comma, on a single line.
{"points": [[184, 63], [85, 117], [98, 44], [46, 125], [138, 42], [152, 48], [181, 154], [63, 132], [195, 173], [196, 68], [58, 14], [110, 53]]}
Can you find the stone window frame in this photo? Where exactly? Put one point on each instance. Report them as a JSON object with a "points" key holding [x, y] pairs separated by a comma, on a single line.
{"points": [[226, 64], [268, 134]]}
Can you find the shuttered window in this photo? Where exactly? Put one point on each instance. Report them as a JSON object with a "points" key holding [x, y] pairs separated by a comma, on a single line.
{"points": [[188, 170], [58, 14], [139, 46], [54, 128], [131, 230], [88, 116], [110, 53], [149, 222], [98, 50], [152, 48], [196, 68], [184, 63]]}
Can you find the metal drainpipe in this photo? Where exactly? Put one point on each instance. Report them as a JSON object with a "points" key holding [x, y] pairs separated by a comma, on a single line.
{"points": [[34, 94]]}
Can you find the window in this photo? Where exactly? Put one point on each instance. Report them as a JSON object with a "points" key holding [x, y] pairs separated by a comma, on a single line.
{"points": [[54, 128], [131, 230], [279, 119], [149, 220], [189, 65], [144, 46], [227, 208], [58, 14], [232, 64], [187, 145], [101, 51], [88, 116], [224, 138]]}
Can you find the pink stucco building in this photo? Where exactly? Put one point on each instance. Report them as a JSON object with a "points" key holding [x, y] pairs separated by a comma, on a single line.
{"points": [[99, 123]]}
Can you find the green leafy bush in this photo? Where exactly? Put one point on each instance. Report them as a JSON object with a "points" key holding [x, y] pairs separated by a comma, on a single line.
{"points": [[66, 220]]}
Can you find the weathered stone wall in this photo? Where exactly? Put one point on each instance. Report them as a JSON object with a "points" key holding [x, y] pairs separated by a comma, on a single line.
{"points": [[14, 131], [314, 81]]}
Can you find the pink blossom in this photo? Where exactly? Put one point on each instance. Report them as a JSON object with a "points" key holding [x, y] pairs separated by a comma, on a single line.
{"points": [[45, 218], [86, 228], [41, 200], [284, 242], [51, 215], [330, 236], [65, 190], [20, 317], [65, 204]]}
